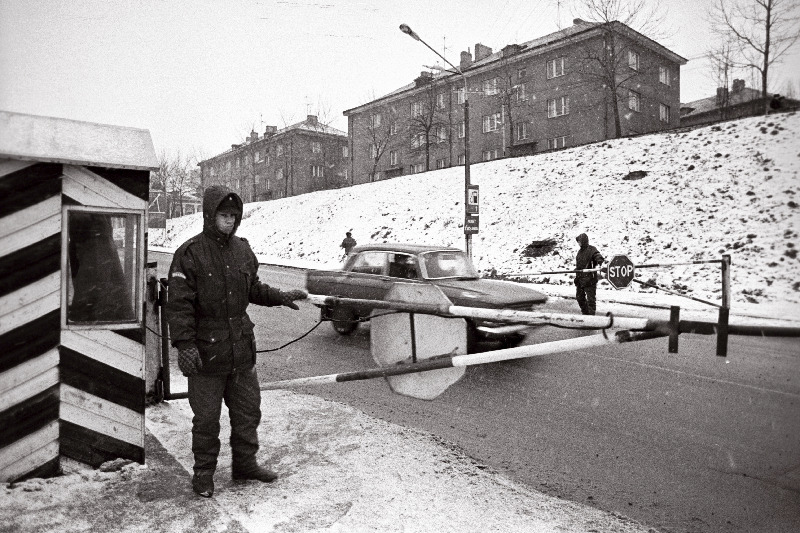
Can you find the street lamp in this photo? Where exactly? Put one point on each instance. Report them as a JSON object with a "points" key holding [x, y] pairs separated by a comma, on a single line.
{"points": [[467, 236]]}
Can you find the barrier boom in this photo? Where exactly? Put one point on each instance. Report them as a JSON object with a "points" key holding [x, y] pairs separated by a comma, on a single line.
{"points": [[449, 361]]}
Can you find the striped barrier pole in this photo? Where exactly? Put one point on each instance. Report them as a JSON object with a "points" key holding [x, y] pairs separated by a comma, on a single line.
{"points": [[450, 361]]}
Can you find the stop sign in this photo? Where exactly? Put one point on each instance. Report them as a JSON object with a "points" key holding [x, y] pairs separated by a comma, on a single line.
{"points": [[619, 271]]}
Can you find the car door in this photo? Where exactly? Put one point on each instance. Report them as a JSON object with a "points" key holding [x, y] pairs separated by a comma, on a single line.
{"points": [[367, 278]]}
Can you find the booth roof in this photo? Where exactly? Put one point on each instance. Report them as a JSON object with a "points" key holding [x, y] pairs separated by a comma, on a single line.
{"points": [[60, 140]]}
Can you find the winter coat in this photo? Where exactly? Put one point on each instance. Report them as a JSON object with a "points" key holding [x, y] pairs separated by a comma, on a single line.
{"points": [[587, 257], [348, 243], [212, 279]]}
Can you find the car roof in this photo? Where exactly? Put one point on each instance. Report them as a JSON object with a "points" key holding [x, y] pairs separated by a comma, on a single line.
{"points": [[403, 247]]}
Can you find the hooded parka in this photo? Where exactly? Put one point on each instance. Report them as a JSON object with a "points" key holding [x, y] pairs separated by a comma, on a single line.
{"points": [[212, 279]]}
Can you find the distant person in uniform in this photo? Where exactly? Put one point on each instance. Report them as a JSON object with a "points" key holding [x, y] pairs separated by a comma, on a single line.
{"points": [[586, 282], [348, 243], [212, 280]]}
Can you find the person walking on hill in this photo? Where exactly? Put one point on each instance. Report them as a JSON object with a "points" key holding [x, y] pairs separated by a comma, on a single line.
{"points": [[212, 279], [348, 243], [586, 282]]}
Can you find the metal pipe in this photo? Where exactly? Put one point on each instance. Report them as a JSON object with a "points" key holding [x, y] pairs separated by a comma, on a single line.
{"points": [[449, 361]]}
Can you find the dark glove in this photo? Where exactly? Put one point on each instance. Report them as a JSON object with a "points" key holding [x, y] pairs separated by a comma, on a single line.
{"points": [[288, 298], [189, 360]]}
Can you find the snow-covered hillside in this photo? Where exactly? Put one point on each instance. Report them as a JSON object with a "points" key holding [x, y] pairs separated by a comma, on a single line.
{"points": [[675, 197]]}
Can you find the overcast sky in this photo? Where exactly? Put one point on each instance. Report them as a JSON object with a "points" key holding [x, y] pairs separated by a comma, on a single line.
{"points": [[200, 74]]}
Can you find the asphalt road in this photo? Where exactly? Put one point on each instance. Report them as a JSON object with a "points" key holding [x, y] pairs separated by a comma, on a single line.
{"points": [[681, 442]]}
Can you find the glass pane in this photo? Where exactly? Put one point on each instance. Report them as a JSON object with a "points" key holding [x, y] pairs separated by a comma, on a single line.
{"points": [[448, 265], [102, 268]]}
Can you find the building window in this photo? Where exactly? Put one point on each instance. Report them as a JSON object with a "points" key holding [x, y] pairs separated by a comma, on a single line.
{"points": [[418, 140], [460, 96], [416, 109], [634, 101], [555, 68], [375, 120], [257, 156], [663, 113], [663, 76], [462, 131], [441, 134], [102, 285], [520, 93], [279, 150], [441, 163], [522, 130], [228, 165], [490, 87], [488, 155], [461, 159], [558, 106], [257, 178], [393, 128], [345, 151], [416, 168], [440, 103], [213, 171], [393, 159], [491, 122], [238, 162], [279, 174], [316, 147], [633, 60], [521, 73], [316, 171], [556, 143], [373, 151]]}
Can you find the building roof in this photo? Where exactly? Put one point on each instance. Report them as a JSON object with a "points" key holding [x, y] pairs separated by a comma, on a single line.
{"points": [[579, 27], [704, 105], [74, 142], [313, 126]]}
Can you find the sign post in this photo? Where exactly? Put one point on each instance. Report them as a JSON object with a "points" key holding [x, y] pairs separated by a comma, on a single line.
{"points": [[620, 271], [472, 211]]}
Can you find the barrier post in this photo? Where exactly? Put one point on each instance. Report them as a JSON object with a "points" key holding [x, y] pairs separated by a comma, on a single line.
{"points": [[674, 328], [162, 302], [724, 311]]}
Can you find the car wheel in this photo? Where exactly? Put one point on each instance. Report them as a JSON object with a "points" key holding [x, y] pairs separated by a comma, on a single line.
{"points": [[512, 341], [472, 338], [344, 320]]}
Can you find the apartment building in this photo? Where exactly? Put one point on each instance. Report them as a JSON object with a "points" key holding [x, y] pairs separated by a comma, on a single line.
{"points": [[304, 157], [586, 83]]}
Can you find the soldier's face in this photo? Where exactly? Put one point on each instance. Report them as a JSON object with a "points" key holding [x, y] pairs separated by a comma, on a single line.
{"points": [[225, 221]]}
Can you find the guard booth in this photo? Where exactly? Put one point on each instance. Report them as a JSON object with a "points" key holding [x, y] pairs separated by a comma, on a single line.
{"points": [[73, 219]]}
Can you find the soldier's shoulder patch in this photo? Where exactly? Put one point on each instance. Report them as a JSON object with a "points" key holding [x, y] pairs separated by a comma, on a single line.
{"points": [[177, 274]]}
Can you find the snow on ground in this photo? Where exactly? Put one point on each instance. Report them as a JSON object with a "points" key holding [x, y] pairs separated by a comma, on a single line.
{"points": [[728, 188]]}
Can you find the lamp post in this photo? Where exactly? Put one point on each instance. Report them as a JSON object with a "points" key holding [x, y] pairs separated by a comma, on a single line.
{"points": [[467, 236]]}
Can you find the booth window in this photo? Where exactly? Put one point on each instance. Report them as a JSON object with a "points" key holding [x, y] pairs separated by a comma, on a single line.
{"points": [[102, 270]]}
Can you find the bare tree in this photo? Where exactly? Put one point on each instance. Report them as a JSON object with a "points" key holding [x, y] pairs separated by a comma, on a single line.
{"points": [[175, 178], [720, 58], [609, 63], [761, 30], [427, 118], [377, 128], [510, 94]]}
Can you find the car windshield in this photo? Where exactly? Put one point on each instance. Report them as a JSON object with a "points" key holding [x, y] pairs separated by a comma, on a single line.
{"points": [[447, 264]]}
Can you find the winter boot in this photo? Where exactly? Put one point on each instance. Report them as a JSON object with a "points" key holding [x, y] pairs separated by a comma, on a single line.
{"points": [[203, 484], [256, 472]]}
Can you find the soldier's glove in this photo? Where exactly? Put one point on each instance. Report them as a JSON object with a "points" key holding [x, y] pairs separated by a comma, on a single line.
{"points": [[189, 360], [288, 298]]}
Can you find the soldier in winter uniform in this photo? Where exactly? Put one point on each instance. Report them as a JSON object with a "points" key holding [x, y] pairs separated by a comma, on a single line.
{"points": [[586, 282], [212, 279]]}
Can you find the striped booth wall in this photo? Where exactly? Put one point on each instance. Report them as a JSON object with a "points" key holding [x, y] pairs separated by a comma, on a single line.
{"points": [[64, 392]]}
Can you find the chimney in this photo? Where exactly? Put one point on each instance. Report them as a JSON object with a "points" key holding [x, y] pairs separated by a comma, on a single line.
{"points": [[234, 146], [722, 96], [423, 79], [311, 120], [466, 60], [270, 131], [482, 52], [738, 85], [253, 136], [576, 22], [511, 49]]}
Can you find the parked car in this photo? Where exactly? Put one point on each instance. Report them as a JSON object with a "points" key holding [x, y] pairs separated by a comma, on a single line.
{"points": [[370, 270]]}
